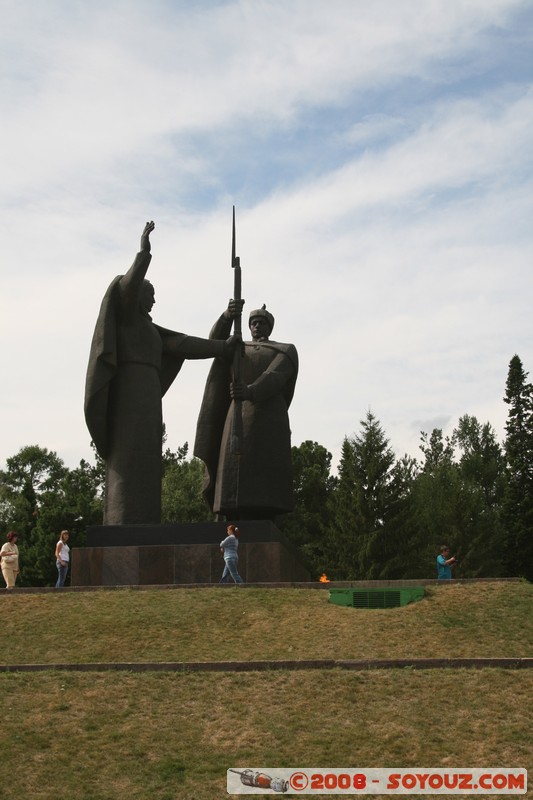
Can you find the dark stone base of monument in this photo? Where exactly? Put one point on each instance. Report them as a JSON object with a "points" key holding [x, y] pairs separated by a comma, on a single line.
{"points": [[140, 555]]}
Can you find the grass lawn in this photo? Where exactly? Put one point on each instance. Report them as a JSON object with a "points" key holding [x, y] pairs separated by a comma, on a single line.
{"points": [[460, 621], [168, 736]]}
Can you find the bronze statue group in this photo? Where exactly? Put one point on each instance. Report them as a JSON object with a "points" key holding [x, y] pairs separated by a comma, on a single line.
{"points": [[133, 362]]}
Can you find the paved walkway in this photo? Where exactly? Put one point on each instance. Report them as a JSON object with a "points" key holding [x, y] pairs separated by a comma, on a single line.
{"points": [[225, 586]]}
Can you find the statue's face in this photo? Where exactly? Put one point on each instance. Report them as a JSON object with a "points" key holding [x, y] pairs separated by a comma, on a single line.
{"points": [[260, 329], [147, 296]]}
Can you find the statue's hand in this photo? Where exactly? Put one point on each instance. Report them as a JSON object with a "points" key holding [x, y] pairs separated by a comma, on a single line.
{"points": [[145, 238], [231, 345], [240, 391], [234, 309]]}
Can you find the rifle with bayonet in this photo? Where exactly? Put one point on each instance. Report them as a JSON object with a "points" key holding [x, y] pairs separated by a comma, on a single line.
{"points": [[236, 425]]}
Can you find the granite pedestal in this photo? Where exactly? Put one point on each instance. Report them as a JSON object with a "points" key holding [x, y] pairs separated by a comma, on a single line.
{"points": [[138, 555]]}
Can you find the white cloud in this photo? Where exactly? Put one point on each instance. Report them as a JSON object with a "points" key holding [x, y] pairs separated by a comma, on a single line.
{"points": [[389, 231]]}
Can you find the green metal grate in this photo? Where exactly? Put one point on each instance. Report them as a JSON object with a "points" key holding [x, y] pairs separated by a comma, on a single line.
{"points": [[376, 598]]}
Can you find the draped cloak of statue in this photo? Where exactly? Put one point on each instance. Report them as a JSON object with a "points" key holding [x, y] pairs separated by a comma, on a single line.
{"points": [[257, 484], [132, 363]]}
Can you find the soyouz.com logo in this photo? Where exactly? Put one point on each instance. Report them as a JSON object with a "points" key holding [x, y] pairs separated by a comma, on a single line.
{"points": [[415, 780]]}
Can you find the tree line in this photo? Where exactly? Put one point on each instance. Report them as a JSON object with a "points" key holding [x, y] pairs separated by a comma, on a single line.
{"points": [[379, 517]]}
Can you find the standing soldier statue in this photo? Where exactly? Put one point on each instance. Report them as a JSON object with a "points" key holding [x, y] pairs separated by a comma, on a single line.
{"points": [[243, 434]]}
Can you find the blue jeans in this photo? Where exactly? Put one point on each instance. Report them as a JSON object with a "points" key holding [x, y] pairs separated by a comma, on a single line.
{"points": [[62, 574], [230, 568]]}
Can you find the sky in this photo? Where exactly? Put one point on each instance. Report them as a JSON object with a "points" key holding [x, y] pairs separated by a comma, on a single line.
{"points": [[379, 156]]}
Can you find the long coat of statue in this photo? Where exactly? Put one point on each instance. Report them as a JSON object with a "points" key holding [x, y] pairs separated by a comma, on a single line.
{"points": [[256, 484], [132, 363]]}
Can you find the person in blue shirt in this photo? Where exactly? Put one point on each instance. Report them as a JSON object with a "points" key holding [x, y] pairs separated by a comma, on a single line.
{"points": [[444, 563], [229, 547]]}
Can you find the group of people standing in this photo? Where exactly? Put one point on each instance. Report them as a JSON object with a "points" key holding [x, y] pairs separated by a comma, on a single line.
{"points": [[9, 555]]}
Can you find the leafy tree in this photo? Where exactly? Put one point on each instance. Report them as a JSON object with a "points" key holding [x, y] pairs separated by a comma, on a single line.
{"points": [[73, 504], [518, 503], [181, 498], [39, 498], [458, 496], [29, 476]]}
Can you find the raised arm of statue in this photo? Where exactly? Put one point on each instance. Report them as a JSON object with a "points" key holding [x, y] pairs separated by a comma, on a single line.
{"points": [[222, 327], [145, 237], [234, 309], [131, 284]]}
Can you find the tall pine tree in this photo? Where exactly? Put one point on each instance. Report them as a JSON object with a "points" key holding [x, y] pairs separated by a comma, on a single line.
{"points": [[364, 499], [518, 504]]}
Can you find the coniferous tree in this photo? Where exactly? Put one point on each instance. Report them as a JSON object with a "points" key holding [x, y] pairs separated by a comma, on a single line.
{"points": [[342, 536], [436, 495], [374, 462], [405, 541], [518, 503], [307, 525], [482, 472], [363, 502]]}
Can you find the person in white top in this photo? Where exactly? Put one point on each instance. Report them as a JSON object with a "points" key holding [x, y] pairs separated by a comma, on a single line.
{"points": [[62, 558], [9, 554]]}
